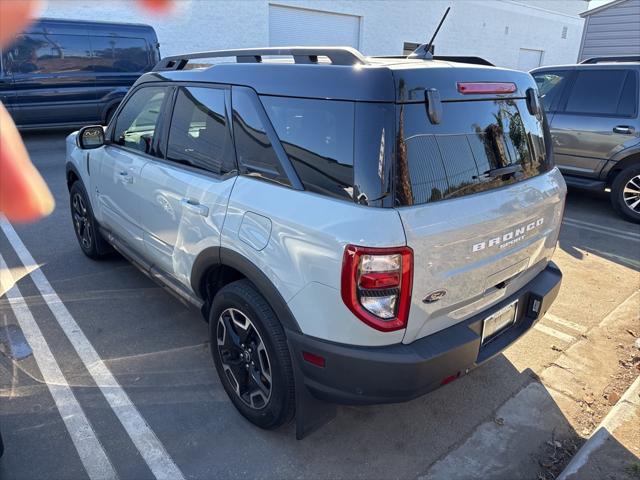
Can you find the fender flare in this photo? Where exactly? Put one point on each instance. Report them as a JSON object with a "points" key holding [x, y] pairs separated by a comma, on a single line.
{"points": [[620, 161], [220, 256], [71, 168]]}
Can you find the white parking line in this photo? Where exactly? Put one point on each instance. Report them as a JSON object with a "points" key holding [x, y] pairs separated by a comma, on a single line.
{"points": [[566, 323], [554, 333], [153, 452], [601, 230], [92, 454]]}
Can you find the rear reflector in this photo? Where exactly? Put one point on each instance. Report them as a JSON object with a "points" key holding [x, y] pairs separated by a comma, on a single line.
{"points": [[314, 359], [486, 87]]}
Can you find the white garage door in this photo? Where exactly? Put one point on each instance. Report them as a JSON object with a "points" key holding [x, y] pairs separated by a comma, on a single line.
{"points": [[297, 26]]}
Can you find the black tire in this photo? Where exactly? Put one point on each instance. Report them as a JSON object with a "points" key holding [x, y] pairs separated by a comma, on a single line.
{"points": [[627, 203], [84, 224], [243, 299]]}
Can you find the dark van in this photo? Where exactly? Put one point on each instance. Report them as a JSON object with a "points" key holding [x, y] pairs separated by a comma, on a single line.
{"points": [[69, 73]]}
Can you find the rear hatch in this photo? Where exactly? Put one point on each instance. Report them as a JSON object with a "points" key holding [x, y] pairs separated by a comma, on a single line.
{"points": [[475, 188]]}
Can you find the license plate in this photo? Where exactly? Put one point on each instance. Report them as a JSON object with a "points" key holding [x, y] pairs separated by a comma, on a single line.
{"points": [[499, 321]]}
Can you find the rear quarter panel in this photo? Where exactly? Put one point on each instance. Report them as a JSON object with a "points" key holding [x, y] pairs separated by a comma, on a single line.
{"points": [[303, 254]]}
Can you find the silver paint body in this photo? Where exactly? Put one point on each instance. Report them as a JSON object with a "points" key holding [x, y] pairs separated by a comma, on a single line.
{"points": [[169, 214]]}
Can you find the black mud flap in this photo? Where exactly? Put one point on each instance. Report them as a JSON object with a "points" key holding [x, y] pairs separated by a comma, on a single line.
{"points": [[311, 412]]}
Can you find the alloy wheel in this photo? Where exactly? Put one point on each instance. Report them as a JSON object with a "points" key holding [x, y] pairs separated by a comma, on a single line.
{"points": [[81, 221], [631, 194], [244, 357]]}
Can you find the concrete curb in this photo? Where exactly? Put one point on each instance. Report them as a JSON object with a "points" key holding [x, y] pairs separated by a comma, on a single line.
{"points": [[625, 408]]}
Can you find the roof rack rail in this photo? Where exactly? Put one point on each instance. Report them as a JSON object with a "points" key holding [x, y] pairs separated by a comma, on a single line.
{"points": [[619, 58], [305, 55]]}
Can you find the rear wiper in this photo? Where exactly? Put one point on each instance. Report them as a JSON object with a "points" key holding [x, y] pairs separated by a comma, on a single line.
{"points": [[502, 171]]}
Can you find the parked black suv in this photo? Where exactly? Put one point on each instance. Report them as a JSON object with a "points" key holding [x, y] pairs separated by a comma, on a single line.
{"points": [[69, 73], [593, 109]]}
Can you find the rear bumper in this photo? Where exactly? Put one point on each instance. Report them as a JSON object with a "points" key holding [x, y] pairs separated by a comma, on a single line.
{"points": [[397, 373]]}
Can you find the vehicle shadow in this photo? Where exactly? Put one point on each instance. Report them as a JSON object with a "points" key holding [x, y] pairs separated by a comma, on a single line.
{"points": [[591, 226]]}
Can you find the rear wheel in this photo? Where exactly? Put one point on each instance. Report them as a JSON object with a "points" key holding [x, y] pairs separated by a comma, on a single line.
{"points": [[84, 224], [250, 352], [625, 193]]}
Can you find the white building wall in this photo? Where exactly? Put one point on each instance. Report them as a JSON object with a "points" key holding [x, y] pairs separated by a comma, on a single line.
{"points": [[493, 29]]}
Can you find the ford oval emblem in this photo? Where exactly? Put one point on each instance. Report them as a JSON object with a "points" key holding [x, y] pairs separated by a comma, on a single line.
{"points": [[434, 296]]}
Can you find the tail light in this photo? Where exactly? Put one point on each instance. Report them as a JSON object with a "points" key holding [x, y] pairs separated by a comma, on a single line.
{"points": [[486, 87], [376, 285]]}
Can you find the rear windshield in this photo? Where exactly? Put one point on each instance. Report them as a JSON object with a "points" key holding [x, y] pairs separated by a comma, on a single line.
{"points": [[461, 155]]}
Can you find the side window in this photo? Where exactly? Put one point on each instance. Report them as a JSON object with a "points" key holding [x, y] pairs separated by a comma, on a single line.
{"points": [[318, 138], [137, 121], [596, 92], [256, 156], [199, 135], [35, 53], [628, 99], [550, 86], [119, 54]]}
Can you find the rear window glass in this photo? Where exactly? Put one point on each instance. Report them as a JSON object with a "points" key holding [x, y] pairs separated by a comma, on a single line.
{"points": [[317, 136], [596, 92], [462, 155]]}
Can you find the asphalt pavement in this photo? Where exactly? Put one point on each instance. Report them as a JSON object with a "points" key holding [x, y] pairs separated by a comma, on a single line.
{"points": [[114, 379]]}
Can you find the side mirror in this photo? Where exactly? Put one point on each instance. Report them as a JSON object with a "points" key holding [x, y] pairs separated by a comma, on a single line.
{"points": [[90, 137]]}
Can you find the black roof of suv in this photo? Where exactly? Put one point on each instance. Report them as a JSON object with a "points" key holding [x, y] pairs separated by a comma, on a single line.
{"points": [[376, 79]]}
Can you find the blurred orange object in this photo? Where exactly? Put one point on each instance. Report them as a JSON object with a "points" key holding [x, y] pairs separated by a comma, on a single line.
{"points": [[160, 6], [14, 16], [23, 194]]}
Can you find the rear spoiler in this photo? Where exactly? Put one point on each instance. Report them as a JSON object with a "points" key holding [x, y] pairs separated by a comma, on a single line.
{"points": [[447, 58], [458, 59]]}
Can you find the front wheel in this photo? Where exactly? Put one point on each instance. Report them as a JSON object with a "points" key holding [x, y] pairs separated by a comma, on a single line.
{"points": [[250, 352], [85, 225], [625, 193]]}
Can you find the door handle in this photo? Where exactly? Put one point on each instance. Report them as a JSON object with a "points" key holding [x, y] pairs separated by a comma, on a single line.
{"points": [[624, 129], [194, 206], [125, 177]]}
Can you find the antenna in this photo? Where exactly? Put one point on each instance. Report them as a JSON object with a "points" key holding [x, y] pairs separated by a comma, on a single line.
{"points": [[424, 50]]}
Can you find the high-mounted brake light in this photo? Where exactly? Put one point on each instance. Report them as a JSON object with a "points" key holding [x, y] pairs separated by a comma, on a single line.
{"points": [[376, 285], [486, 87]]}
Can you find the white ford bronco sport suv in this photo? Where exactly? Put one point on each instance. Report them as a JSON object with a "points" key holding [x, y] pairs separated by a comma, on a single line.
{"points": [[356, 230]]}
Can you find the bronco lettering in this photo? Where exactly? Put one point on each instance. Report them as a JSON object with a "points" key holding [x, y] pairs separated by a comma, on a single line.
{"points": [[509, 238]]}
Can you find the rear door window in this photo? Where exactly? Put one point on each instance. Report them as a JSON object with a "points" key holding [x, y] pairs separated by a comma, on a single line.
{"points": [[550, 87], [317, 136], [255, 153], [199, 135], [119, 54], [136, 124], [52, 53], [628, 103], [596, 92]]}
